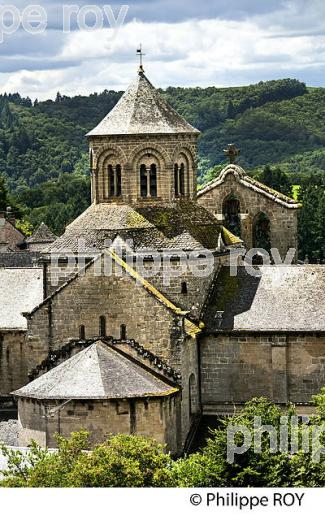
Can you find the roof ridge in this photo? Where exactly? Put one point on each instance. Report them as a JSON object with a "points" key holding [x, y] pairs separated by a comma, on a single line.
{"points": [[244, 179], [269, 189]]}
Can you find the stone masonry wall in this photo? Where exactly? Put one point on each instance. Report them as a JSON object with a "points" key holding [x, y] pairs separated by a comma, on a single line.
{"points": [[130, 152], [151, 417], [235, 368], [13, 362], [116, 297], [197, 287], [283, 221]]}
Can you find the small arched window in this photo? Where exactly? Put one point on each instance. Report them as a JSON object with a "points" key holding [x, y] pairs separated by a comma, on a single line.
{"points": [[102, 326], [82, 332], [143, 180], [184, 288], [115, 180], [123, 332], [153, 180], [182, 180], [176, 180]]}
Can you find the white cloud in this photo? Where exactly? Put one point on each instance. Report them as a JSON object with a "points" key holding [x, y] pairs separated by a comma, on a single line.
{"points": [[189, 53]]}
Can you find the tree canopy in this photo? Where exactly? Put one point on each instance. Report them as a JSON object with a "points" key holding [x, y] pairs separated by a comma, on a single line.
{"points": [[134, 461]]}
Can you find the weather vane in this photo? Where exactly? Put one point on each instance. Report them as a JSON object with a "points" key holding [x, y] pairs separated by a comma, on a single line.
{"points": [[140, 54]]}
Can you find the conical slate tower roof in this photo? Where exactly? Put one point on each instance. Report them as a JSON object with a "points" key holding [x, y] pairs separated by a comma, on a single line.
{"points": [[142, 110], [98, 372]]}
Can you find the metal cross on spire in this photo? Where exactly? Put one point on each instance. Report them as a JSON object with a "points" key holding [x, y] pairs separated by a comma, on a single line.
{"points": [[232, 153], [140, 54]]}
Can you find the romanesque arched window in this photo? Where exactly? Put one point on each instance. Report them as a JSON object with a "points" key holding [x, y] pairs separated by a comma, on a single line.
{"points": [[184, 288], [182, 179], [153, 180], [115, 180], [231, 214], [148, 180], [176, 180], [262, 232], [179, 179], [143, 181], [102, 326]]}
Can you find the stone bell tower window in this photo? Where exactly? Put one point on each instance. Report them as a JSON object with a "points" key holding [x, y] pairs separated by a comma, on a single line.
{"points": [[176, 180], [179, 179], [148, 181], [182, 179], [114, 180]]}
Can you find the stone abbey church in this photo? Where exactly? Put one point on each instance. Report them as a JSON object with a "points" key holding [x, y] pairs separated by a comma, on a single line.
{"points": [[128, 352]]}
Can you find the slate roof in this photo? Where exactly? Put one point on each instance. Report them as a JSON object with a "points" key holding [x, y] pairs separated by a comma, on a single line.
{"points": [[98, 372], [10, 237], [19, 259], [250, 183], [280, 298], [20, 291], [142, 110], [174, 226], [42, 235]]}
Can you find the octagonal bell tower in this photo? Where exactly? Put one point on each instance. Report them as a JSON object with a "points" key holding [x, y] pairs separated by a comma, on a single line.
{"points": [[143, 151]]}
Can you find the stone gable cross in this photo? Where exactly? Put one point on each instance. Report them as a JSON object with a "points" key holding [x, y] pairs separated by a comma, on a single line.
{"points": [[232, 153]]}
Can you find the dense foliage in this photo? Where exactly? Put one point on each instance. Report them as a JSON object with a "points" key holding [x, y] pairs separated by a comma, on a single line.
{"points": [[261, 466], [131, 461], [311, 222], [272, 122], [122, 461], [277, 124]]}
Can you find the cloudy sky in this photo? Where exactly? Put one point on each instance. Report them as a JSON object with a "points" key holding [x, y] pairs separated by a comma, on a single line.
{"points": [[187, 43]]}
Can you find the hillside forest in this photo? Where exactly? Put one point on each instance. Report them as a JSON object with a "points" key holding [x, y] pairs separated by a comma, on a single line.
{"points": [[278, 125]]}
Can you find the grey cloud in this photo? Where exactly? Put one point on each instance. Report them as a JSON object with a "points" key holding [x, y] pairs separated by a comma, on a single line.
{"points": [[32, 45], [14, 65], [170, 11]]}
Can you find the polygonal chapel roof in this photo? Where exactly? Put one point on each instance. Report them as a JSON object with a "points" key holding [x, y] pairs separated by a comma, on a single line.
{"points": [[142, 110], [98, 372]]}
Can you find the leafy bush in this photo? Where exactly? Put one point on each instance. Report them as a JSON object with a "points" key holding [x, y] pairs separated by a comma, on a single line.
{"points": [[122, 461]]}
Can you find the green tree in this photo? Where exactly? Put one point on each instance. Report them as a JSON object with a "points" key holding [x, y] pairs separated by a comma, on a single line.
{"points": [[210, 467], [231, 111], [311, 221], [4, 198], [122, 461]]}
